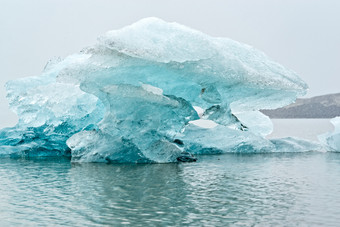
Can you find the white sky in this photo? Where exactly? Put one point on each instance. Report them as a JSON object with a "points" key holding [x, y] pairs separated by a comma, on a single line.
{"points": [[303, 35]]}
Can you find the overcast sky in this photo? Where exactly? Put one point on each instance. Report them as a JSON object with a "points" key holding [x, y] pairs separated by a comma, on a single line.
{"points": [[303, 35]]}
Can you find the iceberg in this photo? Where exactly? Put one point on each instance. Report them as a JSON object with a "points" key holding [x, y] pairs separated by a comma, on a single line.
{"points": [[150, 92], [331, 140]]}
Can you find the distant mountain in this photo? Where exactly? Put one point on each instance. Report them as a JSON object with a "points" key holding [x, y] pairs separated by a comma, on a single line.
{"points": [[325, 106]]}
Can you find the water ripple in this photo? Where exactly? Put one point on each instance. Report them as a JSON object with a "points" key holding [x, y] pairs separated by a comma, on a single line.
{"points": [[238, 190]]}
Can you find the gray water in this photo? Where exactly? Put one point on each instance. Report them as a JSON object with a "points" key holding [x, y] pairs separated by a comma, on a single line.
{"points": [[287, 189]]}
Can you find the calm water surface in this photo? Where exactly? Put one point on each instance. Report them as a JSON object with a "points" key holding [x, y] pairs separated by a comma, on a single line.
{"points": [[287, 189]]}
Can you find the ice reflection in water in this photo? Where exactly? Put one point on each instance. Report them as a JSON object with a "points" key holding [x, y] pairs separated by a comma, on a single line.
{"points": [[270, 189]]}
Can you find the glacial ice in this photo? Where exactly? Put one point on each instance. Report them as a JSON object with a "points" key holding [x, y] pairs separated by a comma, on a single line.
{"points": [[332, 139], [292, 144], [150, 92]]}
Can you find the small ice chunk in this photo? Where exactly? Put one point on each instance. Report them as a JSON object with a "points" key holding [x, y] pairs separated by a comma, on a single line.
{"points": [[332, 139], [291, 144]]}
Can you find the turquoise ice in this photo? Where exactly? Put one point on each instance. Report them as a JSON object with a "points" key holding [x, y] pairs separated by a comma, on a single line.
{"points": [[150, 92]]}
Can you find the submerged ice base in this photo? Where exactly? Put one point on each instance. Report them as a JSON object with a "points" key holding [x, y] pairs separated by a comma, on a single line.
{"points": [[150, 92]]}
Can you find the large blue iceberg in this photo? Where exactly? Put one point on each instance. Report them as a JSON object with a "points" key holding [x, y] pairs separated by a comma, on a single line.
{"points": [[150, 92]]}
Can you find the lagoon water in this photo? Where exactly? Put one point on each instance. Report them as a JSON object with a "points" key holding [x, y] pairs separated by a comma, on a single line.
{"points": [[282, 189]]}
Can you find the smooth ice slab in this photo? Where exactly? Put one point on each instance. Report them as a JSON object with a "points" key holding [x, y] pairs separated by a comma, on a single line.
{"points": [[150, 92]]}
